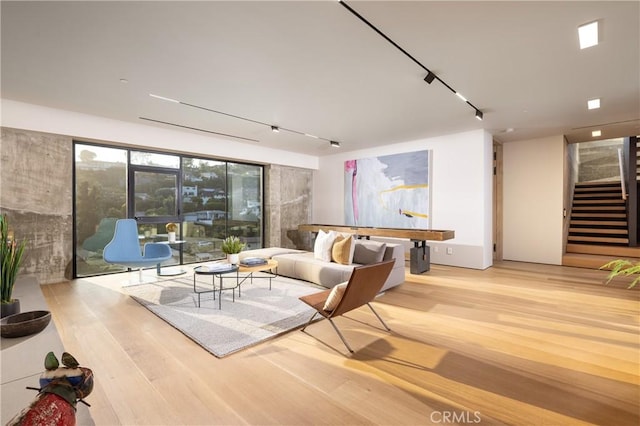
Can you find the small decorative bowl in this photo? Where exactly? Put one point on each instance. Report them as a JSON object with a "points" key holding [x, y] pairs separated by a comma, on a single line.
{"points": [[24, 324]]}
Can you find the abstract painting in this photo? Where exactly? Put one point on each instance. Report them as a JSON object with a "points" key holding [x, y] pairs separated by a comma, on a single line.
{"points": [[390, 191]]}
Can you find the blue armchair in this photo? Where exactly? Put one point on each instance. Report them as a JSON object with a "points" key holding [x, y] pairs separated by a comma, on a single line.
{"points": [[124, 248]]}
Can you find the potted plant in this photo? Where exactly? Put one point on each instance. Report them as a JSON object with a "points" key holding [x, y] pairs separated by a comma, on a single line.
{"points": [[231, 246], [171, 229], [10, 258], [622, 267]]}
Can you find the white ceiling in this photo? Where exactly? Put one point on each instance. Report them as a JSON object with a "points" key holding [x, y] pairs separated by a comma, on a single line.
{"points": [[316, 68]]}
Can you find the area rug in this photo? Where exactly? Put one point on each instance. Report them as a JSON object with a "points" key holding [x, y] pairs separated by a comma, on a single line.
{"points": [[258, 315]]}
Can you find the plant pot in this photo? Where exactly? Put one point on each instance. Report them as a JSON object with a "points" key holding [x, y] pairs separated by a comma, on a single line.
{"points": [[233, 258], [10, 308], [172, 237]]}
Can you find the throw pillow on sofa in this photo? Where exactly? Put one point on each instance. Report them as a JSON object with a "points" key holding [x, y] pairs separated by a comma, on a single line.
{"points": [[343, 250], [323, 245], [367, 252], [335, 296]]}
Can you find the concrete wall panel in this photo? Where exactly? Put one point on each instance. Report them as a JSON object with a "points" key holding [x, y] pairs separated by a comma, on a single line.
{"points": [[36, 195]]}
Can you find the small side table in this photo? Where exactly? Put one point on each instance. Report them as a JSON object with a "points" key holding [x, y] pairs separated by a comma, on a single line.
{"points": [[270, 269], [170, 274], [207, 270]]}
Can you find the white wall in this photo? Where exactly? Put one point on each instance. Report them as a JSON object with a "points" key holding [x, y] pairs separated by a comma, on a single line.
{"points": [[533, 200], [21, 115], [461, 193]]}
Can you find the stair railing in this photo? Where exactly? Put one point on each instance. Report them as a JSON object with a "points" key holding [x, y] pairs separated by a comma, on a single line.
{"points": [[623, 179]]}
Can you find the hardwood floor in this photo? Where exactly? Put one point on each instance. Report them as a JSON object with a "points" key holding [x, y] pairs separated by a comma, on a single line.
{"points": [[519, 344]]}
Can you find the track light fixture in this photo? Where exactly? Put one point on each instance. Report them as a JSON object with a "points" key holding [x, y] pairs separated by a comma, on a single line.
{"points": [[430, 75], [274, 129], [335, 144]]}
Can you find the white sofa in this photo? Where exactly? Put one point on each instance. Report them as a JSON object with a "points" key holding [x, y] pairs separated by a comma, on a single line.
{"points": [[303, 265]]}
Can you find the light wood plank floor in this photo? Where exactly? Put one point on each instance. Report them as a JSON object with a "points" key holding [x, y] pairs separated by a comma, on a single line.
{"points": [[519, 344]]}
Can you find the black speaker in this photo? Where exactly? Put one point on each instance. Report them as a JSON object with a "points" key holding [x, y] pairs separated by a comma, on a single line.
{"points": [[419, 259]]}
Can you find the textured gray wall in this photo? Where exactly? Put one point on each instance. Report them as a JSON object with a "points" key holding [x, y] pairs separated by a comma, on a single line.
{"points": [[36, 191], [36, 194], [287, 204]]}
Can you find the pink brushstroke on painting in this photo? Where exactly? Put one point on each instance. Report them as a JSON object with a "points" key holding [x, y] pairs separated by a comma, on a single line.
{"points": [[352, 166]]}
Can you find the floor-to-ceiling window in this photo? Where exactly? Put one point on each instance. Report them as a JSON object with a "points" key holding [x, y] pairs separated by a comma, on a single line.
{"points": [[100, 176], [207, 199], [245, 203]]}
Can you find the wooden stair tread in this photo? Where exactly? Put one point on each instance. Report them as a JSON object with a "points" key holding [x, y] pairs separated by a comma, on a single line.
{"points": [[611, 240], [598, 201], [600, 215], [613, 251], [599, 231], [591, 261], [598, 222], [596, 194], [600, 208]]}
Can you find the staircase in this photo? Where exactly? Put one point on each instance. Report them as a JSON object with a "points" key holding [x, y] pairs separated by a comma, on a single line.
{"points": [[598, 231], [598, 227], [598, 215]]}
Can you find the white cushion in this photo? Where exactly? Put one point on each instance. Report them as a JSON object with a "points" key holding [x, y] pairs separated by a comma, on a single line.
{"points": [[335, 296], [323, 245]]}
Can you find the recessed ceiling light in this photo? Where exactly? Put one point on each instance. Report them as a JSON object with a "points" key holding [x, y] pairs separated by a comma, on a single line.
{"points": [[588, 34], [593, 103], [124, 81], [596, 133]]}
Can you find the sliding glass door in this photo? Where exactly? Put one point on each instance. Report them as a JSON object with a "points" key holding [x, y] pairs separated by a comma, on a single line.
{"points": [[207, 199]]}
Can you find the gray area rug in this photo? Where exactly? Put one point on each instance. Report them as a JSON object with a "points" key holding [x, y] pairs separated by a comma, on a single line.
{"points": [[260, 314]]}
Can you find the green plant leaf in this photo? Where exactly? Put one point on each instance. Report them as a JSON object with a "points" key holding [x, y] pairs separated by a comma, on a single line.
{"points": [[622, 267]]}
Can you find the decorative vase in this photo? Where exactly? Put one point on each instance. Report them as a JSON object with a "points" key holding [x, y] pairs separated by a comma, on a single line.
{"points": [[172, 237], [233, 258], [10, 308]]}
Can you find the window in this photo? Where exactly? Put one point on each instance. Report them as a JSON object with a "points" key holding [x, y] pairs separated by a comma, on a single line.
{"points": [[100, 200], [245, 203], [209, 199]]}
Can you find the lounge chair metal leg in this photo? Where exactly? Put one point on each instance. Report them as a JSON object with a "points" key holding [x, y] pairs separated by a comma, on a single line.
{"points": [[309, 322], [376, 314], [340, 334]]}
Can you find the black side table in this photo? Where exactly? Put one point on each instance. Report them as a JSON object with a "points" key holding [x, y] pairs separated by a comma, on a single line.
{"points": [[215, 270]]}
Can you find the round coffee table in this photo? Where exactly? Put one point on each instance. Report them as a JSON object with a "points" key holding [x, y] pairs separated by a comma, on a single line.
{"points": [[217, 269]]}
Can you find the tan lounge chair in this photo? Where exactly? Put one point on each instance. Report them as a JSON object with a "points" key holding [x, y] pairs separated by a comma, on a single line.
{"points": [[363, 286]]}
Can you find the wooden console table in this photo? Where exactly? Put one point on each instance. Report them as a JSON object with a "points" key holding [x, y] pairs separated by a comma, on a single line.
{"points": [[419, 254]]}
